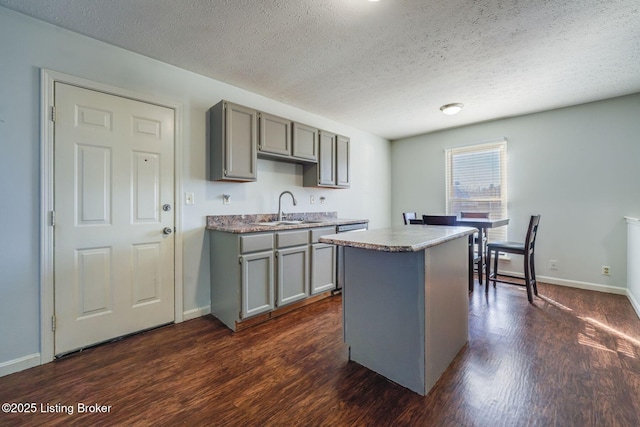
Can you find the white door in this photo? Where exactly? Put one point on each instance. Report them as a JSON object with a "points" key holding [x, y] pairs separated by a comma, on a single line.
{"points": [[114, 216]]}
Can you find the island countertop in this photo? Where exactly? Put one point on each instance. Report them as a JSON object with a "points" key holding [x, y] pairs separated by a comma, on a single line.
{"points": [[405, 238]]}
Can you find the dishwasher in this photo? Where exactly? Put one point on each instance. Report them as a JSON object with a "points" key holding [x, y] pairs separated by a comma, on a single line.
{"points": [[345, 228]]}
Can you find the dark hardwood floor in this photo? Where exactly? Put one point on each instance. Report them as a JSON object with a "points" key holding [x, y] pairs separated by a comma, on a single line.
{"points": [[570, 359]]}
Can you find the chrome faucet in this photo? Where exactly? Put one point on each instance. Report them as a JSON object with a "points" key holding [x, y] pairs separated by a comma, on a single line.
{"points": [[295, 202]]}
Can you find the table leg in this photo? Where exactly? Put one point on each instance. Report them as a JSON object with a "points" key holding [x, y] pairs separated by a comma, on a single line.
{"points": [[481, 252], [471, 257]]}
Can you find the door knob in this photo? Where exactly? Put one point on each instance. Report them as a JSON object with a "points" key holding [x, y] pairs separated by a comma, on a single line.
{"points": [[166, 207], [167, 230]]}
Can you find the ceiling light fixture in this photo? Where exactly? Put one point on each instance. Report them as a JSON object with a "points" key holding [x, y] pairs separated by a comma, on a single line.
{"points": [[451, 109]]}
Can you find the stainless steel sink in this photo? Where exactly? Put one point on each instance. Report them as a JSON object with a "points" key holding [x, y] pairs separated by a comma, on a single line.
{"points": [[276, 223], [287, 222]]}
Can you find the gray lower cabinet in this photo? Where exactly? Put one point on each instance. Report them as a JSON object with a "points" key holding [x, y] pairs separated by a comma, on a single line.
{"points": [[292, 258], [255, 273], [233, 134], [257, 283], [293, 274], [242, 275], [323, 268], [323, 261]]}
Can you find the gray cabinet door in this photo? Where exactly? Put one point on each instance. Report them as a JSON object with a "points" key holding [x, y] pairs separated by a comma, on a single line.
{"points": [[241, 130], [326, 165], [275, 134], [305, 142], [323, 268], [257, 283], [292, 274], [342, 161]]}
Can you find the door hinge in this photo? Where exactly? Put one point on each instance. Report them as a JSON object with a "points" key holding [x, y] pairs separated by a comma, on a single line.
{"points": [[53, 323], [52, 218], [53, 113]]}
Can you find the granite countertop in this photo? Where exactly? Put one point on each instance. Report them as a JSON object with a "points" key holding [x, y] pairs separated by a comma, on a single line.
{"points": [[254, 223], [405, 238]]}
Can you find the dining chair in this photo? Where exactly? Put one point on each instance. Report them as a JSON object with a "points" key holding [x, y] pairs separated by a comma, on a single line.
{"points": [[407, 216], [416, 221], [527, 249], [439, 219], [479, 246]]}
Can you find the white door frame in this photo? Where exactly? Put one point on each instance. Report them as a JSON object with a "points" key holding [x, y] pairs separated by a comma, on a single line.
{"points": [[47, 80]]}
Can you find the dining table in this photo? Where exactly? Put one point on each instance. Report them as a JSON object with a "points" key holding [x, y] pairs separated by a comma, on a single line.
{"points": [[482, 224]]}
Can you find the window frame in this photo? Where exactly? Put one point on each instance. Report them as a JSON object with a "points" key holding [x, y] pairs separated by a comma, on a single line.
{"points": [[499, 145]]}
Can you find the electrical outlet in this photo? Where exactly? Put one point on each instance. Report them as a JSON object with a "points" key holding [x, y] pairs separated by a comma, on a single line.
{"points": [[553, 264], [226, 199], [606, 270]]}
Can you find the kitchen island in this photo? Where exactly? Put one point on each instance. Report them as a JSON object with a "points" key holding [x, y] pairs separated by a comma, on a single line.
{"points": [[405, 300]]}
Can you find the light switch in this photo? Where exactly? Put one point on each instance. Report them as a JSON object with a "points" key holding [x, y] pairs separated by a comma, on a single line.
{"points": [[188, 199]]}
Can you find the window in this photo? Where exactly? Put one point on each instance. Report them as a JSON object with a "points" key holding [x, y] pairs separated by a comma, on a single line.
{"points": [[477, 182]]}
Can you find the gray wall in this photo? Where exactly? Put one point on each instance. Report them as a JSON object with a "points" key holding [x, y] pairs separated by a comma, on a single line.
{"points": [[29, 45], [579, 167]]}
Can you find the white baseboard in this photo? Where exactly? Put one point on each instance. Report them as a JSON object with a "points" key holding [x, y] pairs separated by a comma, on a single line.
{"points": [[196, 312], [20, 364], [634, 303], [583, 285], [588, 286]]}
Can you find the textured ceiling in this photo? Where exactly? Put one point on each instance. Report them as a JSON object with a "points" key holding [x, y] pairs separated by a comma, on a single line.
{"points": [[385, 67]]}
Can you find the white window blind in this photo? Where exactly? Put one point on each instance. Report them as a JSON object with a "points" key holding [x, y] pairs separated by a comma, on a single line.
{"points": [[477, 182]]}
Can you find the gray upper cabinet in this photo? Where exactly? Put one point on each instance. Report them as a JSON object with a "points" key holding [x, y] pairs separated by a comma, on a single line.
{"points": [[239, 135], [275, 135], [282, 139], [305, 142], [326, 164], [333, 168], [342, 161], [233, 138]]}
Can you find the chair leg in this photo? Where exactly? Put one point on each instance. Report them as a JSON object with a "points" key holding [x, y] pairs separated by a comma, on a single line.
{"points": [[470, 263], [495, 267], [488, 270], [527, 277], [533, 275]]}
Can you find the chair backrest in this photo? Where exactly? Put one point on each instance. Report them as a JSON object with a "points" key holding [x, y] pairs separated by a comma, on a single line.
{"points": [[439, 219], [532, 232], [416, 221], [407, 216], [474, 215]]}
